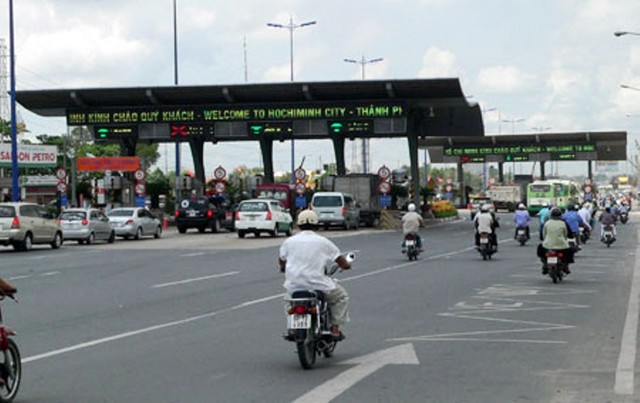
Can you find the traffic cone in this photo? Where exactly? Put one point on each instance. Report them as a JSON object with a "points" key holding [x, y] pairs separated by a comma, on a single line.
{"points": [[165, 223]]}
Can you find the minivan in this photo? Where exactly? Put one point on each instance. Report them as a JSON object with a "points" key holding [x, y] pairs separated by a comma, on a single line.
{"points": [[336, 209]]}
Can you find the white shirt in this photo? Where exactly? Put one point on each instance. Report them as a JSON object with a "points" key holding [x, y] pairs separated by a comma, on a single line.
{"points": [[411, 223], [307, 255], [484, 221], [586, 216]]}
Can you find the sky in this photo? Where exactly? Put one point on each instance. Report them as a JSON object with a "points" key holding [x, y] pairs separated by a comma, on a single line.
{"points": [[532, 65]]}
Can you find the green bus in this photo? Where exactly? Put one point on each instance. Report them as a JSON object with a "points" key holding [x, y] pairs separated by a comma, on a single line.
{"points": [[554, 192]]}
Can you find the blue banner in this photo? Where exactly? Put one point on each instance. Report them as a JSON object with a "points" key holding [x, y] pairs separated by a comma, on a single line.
{"points": [[301, 201], [385, 201], [141, 201]]}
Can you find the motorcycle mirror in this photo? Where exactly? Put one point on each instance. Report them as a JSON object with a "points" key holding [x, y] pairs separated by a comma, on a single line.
{"points": [[351, 256]]}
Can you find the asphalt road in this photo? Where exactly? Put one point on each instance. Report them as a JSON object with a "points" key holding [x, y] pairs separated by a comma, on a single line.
{"points": [[198, 318]]}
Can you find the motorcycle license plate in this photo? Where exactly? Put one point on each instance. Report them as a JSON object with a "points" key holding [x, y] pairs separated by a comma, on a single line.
{"points": [[410, 243], [521, 232], [299, 321], [552, 260], [608, 233], [484, 240]]}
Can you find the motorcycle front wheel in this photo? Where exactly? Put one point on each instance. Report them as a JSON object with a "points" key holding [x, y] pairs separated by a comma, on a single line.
{"points": [[306, 347], [10, 372]]}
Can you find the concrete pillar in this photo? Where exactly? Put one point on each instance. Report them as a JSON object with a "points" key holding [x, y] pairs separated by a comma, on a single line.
{"points": [[415, 168], [266, 148], [500, 172], [590, 170], [461, 192], [338, 149], [197, 153], [542, 173]]}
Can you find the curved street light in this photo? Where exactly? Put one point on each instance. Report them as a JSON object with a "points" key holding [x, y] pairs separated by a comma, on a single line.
{"points": [[628, 87], [621, 33]]}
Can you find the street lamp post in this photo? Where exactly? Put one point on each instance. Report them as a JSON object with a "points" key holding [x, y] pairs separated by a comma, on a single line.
{"points": [[175, 82], [513, 123], [14, 138], [629, 87], [484, 164], [291, 27], [621, 33], [363, 62]]}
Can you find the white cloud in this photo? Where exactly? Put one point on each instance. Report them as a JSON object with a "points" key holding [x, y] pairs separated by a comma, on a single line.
{"points": [[438, 63], [504, 80]]}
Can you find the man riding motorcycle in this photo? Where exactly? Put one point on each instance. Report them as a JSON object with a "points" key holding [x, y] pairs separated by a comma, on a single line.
{"points": [[607, 219], [486, 221], [555, 234], [543, 216], [521, 219], [303, 258], [575, 221], [411, 223]]}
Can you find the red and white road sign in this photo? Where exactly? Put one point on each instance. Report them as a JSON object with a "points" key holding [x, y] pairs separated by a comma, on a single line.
{"points": [[139, 175], [219, 173], [61, 173], [300, 174], [384, 172], [384, 187], [61, 187], [140, 189], [220, 187], [300, 188]]}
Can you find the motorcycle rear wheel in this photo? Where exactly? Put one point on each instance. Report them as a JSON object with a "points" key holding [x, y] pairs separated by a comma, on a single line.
{"points": [[10, 372], [306, 347], [554, 272]]}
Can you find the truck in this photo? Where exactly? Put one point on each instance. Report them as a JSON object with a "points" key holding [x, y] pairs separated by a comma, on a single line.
{"points": [[364, 188], [506, 197], [279, 191]]}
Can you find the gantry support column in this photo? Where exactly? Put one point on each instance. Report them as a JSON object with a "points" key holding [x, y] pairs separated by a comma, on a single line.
{"points": [[266, 148], [338, 149], [197, 153]]}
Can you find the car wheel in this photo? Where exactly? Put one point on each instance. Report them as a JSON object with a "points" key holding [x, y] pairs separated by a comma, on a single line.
{"points": [[182, 230], [80, 241], [138, 234], [91, 238], [57, 241], [240, 234], [257, 234], [202, 229], [273, 233], [158, 233], [215, 226], [27, 244], [112, 237], [288, 232]]}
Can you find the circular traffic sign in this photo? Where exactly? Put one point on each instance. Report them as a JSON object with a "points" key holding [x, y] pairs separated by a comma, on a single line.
{"points": [[300, 188], [384, 172], [184, 203], [140, 188], [384, 187], [61, 173], [220, 187], [300, 174], [139, 175], [219, 173], [61, 187]]}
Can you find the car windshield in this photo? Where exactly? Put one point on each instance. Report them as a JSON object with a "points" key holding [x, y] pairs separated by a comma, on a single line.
{"points": [[327, 201], [120, 213], [253, 206], [73, 215], [7, 211]]}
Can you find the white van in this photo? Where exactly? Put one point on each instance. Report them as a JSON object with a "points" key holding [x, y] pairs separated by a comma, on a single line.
{"points": [[336, 209]]}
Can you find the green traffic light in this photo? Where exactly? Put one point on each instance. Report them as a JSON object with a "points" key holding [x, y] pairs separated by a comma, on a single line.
{"points": [[336, 127], [256, 129], [102, 132], [508, 158]]}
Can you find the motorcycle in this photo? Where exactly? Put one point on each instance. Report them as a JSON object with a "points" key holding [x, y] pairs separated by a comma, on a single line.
{"points": [[608, 237], [308, 322], [10, 362], [573, 243], [554, 266], [585, 234], [486, 248], [411, 247], [521, 235], [624, 217]]}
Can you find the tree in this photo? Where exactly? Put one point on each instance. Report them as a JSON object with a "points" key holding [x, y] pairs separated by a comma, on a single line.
{"points": [[148, 154]]}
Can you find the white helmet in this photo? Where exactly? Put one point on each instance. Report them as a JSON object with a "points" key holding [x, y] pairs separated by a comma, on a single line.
{"points": [[521, 206], [411, 207], [484, 208], [307, 217]]}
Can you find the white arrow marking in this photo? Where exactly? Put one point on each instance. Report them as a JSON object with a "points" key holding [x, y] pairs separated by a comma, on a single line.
{"points": [[365, 366]]}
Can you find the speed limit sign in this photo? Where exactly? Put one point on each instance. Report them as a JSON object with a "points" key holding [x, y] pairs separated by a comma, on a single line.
{"points": [[140, 188], [139, 175], [384, 172], [384, 187], [220, 187], [300, 188], [61, 173], [219, 173], [300, 174], [61, 187]]}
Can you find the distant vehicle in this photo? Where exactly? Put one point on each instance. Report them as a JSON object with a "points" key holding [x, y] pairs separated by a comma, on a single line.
{"points": [[476, 202], [86, 226], [278, 191], [336, 209], [364, 188], [134, 222], [23, 225], [506, 197], [554, 192], [259, 216], [204, 212]]}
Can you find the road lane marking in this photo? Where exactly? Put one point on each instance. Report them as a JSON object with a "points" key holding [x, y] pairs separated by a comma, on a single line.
{"points": [[193, 254], [50, 273], [364, 366], [192, 280], [625, 371], [18, 277]]}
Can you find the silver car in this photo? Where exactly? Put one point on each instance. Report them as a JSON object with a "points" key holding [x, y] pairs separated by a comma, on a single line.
{"points": [[134, 222], [86, 226], [24, 224]]}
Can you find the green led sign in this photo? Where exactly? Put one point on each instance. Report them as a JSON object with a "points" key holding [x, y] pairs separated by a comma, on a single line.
{"points": [[510, 151], [270, 128], [336, 127]]}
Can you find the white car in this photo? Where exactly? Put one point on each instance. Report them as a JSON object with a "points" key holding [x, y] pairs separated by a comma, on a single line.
{"points": [[262, 215], [134, 222], [86, 226]]}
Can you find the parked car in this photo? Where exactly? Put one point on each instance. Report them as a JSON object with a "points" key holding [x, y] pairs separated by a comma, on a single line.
{"points": [[203, 212], [336, 209], [262, 215], [134, 222], [23, 225], [86, 226]]}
